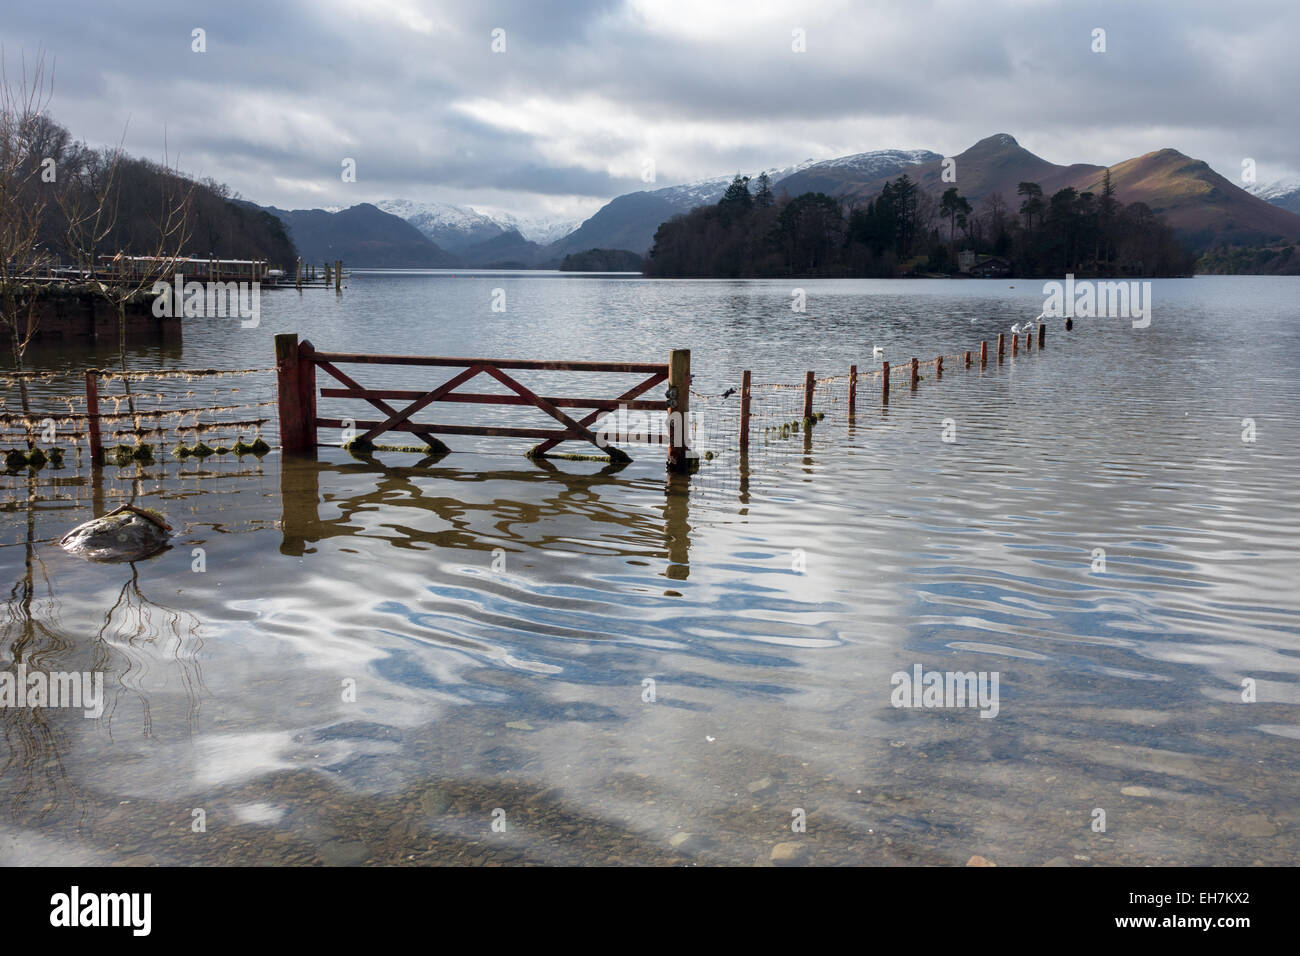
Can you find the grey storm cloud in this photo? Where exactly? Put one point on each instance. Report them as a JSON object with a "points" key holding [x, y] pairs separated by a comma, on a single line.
{"points": [[586, 90]]}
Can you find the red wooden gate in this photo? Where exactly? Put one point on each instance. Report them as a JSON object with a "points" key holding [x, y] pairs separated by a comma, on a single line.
{"points": [[296, 365]]}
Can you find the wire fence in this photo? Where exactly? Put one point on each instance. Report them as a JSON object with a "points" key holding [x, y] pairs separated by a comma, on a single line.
{"points": [[219, 422], [149, 423], [755, 430], [138, 416]]}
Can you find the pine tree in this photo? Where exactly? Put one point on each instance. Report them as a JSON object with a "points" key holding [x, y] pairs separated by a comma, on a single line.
{"points": [[737, 195]]}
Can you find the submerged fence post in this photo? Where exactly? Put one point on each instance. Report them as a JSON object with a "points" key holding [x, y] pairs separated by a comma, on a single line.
{"points": [[1042, 334], [938, 367], [338, 275], [1001, 346], [884, 383], [679, 406], [853, 390], [1015, 343], [92, 417], [744, 410], [914, 375], [984, 353], [968, 358], [307, 394], [298, 278], [809, 383], [293, 431]]}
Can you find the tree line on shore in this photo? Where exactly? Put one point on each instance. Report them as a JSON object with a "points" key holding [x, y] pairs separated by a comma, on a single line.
{"points": [[905, 230], [78, 203], [65, 204]]}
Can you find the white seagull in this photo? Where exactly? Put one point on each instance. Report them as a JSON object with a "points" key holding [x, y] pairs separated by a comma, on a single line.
{"points": [[878, 351]]}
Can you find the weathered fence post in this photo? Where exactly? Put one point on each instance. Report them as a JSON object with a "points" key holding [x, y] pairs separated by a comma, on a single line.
{"points": [[338, 275], [968, 358], [293, 425], [914, 375], [884, 383], [744, 410], [938, 367], [1042, 334], [307, 393], [298, 278], [853, 390], [92, 417], [1001, 346], [809, 383], [1015, 342], [984, 353], [679, 406]]}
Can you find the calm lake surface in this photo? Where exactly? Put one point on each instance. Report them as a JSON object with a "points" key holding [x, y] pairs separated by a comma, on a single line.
{"points": [[382, 661]]}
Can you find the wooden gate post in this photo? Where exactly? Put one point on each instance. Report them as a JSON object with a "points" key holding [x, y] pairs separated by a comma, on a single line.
{"points": [[853, 390], [92, 417], [744, 410], [293, 425], [884, 383], [307, 395], [679, 407]]}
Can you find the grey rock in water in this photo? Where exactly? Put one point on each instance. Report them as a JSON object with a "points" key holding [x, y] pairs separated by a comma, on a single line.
{"points": [[127, 533], [789, 854]]}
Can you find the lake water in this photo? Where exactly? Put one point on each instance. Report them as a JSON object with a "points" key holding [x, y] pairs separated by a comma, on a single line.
{"points": [[453, 662]]}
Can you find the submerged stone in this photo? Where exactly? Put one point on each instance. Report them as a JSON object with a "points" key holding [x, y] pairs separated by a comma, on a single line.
{"points": [[127, 533]]}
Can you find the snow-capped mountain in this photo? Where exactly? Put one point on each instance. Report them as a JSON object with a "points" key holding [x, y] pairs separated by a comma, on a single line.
{"points": [[458, 227], [1285, 193], [706, 191], [837, 176], [1270, 191], [630, 221], [539, 230], [871, 165], [452, 227], [878, 162]]}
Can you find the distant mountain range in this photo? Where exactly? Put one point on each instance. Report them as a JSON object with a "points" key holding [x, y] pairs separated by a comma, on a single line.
{"points": [[1204, 208], [361, 235]]}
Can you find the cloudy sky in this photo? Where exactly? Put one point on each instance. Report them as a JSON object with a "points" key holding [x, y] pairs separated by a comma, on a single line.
{"points": [[586, 92]]}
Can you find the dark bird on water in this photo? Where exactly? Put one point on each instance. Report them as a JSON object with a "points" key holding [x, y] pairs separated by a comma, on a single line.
{"points": [[728, 393]]}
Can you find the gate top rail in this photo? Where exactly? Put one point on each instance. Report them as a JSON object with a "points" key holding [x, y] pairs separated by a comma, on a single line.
{"points": [[643, 368]]}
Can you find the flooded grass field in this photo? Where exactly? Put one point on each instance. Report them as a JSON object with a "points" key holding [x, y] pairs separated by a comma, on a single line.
{"points": [[486, 660]]}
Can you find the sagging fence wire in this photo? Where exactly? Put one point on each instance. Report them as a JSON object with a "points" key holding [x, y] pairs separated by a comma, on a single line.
{"points": [[47, 458], [182, 413]]}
